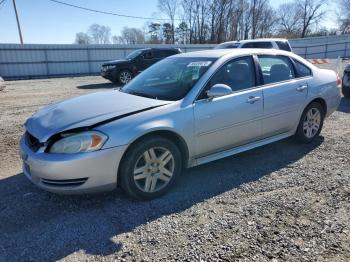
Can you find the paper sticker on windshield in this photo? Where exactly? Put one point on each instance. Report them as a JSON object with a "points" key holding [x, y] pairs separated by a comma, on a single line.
{"points": [[199, 63]]}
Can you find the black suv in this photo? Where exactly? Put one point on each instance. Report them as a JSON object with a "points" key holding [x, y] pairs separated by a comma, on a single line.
{"points": [[122, 71], [346, 82]]}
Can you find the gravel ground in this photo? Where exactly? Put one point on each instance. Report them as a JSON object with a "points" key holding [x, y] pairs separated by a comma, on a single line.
{"points": [[284, 201]]}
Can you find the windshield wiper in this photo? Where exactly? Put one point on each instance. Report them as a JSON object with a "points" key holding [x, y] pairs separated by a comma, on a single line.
{"points": [[142, 94]]}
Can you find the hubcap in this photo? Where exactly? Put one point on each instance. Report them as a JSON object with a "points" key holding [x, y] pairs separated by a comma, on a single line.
{"points": [[312, 122], [125, 77], [154, 169]]}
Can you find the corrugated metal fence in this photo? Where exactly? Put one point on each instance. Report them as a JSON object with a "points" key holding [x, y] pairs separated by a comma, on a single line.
{"points": [[36, 60]]}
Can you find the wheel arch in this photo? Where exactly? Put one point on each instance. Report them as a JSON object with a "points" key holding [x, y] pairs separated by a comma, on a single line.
{"points": [[322, 102], [168, 134]]}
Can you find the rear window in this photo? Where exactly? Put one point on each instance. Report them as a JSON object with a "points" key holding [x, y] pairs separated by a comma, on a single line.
{"points": [[302, 69], [283, 45]]}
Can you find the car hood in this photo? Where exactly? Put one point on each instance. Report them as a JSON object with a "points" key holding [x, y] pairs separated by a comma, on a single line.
{"points": [[116, 62], [86, 111]]}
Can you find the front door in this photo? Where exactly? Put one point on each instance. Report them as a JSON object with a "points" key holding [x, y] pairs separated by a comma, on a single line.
{"points": [[146, 60], [229, 121]]}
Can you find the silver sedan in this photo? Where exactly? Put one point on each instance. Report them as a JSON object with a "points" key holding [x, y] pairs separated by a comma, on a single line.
{"points": [[186, 110]]}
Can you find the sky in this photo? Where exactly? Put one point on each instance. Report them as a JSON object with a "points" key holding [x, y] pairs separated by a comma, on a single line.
{"points": [[45, 22]]}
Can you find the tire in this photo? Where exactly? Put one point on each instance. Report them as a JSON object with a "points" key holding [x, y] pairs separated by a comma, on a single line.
{"points": [[346, 91], [143, 173], [311, 119], [124, 76]]}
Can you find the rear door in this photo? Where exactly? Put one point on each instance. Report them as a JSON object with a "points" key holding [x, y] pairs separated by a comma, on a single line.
{"points": [[284, 94], [229, 121]]}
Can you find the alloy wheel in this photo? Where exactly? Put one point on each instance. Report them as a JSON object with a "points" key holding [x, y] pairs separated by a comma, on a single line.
{"points": [[125, 77], [154, 169], [312, 122]]}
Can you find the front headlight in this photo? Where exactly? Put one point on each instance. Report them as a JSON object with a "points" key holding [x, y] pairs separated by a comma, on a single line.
{"points": [[80, 142], [111, 67]]}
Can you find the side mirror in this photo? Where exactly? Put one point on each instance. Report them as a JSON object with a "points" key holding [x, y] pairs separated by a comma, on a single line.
{"points": [[219, 90]]}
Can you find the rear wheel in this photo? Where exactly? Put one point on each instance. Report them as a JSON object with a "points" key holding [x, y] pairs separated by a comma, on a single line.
{"points": [[150, 168], [311, 123]]}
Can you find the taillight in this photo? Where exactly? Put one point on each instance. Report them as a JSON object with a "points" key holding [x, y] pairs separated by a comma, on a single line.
{"points": [[338, 81]]}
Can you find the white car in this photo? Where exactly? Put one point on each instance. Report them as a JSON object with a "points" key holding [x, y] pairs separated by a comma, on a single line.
{"points": [[186, 110], [2, 84], [265, 43]]}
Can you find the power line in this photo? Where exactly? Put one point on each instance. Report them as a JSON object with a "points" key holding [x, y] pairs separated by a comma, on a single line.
{"points": [[107, 13]]}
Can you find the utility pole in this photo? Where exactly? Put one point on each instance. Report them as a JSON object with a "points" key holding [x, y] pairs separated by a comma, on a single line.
{"points": [[18, 25]]}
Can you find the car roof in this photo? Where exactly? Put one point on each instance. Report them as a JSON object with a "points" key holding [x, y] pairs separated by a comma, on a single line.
{"points": [[256, 40], [217, 53], [159, 48]]}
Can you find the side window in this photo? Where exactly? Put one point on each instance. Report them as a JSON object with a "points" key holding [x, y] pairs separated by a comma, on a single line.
{"points": [[276, 68], [266, 45], [157, 53], [164, 53], [283, 46], [248, 45], [238, 74], [147, 55], [302, 69]]}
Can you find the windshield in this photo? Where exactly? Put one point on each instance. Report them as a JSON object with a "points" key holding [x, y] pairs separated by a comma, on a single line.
{"points": [[227, 45], [133, 54], [170, 79]]}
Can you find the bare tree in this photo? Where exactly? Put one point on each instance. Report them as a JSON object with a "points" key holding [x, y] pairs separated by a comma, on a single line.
{"points": [[170, 8], [118, 40], [289, 19], [259, 10], [82, 39], [344, 16], [133, 35], [99, 34], [311, 13]]}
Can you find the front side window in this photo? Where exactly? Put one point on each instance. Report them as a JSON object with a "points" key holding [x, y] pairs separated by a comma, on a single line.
{"points": [[147, 55], [276, 68], [302, 69], [170, 79], [238, 74]]}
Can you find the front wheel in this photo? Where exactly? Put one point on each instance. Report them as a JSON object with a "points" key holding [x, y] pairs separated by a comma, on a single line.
{"points": [[124, 77], [311, 123], [150, 168]]}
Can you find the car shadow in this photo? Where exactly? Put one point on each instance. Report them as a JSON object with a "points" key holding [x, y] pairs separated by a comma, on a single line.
{"points": [[36, 225], [344, 105], [98, 86]]}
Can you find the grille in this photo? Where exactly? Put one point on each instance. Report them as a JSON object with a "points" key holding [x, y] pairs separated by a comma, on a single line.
{"points": [[64, 183], [32, 142]]}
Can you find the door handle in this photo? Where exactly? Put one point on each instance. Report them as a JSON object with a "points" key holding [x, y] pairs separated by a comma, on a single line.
{"points": [[301, 88], [253, 99]]}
